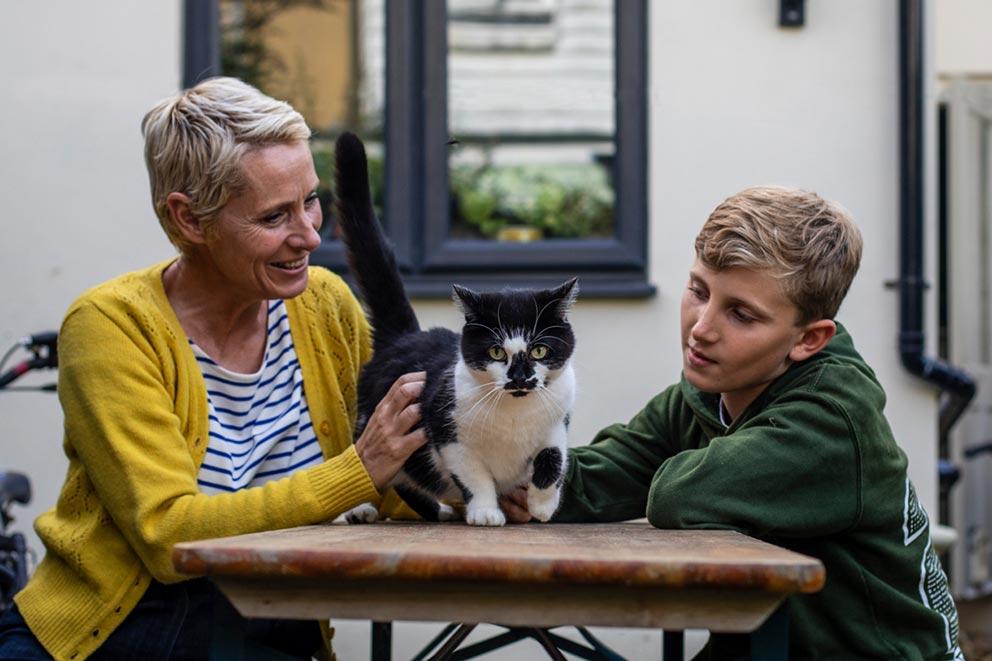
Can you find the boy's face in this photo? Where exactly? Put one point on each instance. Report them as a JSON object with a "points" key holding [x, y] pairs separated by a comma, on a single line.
{"points": [[739, 333]]}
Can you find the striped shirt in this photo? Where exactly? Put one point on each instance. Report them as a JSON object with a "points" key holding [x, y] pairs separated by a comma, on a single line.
{"points": [[260, 428]]}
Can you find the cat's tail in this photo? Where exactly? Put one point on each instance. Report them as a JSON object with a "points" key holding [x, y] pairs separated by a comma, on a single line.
{"points": [[370, 255]]}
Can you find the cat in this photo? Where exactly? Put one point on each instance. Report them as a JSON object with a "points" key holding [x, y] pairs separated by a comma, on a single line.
{"points": [[497, 397]]}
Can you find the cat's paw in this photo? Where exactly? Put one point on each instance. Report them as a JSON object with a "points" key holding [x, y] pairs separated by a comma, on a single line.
{"points": [[447, 513], [364, 513], [542, 506], [485, 516]]}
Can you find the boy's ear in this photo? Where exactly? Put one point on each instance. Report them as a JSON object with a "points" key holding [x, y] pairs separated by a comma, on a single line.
{"points": [[188, 224], [815, 336]]}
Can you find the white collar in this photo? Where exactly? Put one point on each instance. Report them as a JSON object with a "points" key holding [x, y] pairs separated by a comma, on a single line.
{"points": [[724, 413]]}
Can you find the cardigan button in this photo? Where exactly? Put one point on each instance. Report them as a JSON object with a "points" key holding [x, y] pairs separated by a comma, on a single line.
{"points": [[325, 428]]}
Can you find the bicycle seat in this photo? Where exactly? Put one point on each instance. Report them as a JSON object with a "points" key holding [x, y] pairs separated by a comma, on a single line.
{"points": [[16, 487]]}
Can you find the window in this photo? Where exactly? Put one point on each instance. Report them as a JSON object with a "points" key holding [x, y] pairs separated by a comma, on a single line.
{"points": [[507, 138], [309, 53]]}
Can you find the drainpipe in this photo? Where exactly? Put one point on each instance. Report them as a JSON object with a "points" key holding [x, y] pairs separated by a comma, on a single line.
{"points": [[957, 385]]}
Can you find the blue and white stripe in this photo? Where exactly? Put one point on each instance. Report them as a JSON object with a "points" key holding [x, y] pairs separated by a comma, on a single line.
{"points": [[260, 428]]}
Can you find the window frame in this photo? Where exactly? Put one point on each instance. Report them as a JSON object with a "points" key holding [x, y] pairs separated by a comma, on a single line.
{"points": [[416, 168]]}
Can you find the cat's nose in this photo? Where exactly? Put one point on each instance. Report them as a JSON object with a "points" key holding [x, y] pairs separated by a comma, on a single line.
{"points": [[520, 371]]}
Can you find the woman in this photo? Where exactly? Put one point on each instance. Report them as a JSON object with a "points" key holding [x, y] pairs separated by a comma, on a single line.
{"points": [[206, 396]]}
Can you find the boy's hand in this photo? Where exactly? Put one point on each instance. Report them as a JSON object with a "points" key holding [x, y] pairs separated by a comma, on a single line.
{"points": [[514, 506]]}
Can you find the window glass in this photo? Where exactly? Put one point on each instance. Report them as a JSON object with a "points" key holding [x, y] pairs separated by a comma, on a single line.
{"points": [[325, 57], [531, 118]]}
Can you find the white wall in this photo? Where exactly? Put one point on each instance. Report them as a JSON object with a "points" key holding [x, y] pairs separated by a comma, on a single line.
{"points": [[963, 42], [75, 79], [735, 101]]}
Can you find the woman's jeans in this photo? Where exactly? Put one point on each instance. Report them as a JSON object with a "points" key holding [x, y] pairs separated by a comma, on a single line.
{"points": [[170, 622]]}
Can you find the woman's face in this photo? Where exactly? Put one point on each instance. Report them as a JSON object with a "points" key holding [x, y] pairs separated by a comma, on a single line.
{"points": [[260, 241]]}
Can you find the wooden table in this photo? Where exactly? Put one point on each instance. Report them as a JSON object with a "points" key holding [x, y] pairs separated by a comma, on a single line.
{"points": [[536, 575]]}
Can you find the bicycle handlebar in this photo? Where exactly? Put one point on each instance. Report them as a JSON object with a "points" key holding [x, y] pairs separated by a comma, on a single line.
{"points": [[20, 369], [44, 349]]}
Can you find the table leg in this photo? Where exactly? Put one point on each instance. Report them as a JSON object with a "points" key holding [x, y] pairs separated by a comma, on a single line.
{"points": [[382, 641], [596, 651], [437, 640], [541, 636], [771, 639], [597, 646], [673, 645], [461, 633], [488, 645]]}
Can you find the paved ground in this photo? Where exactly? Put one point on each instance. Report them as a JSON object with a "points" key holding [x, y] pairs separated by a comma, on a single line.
{"points": [[976, 629]]}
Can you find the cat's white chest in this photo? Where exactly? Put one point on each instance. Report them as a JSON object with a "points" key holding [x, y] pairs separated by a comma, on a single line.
{"points": [[503, 432]]}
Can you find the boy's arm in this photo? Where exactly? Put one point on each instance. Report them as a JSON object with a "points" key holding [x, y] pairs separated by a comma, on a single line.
{"points": [[609, 479], [793, 471]]}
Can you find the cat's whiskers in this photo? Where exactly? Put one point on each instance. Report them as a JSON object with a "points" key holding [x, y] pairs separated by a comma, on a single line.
{"points": [[467, 392], [482, 398], [544, 331], [491, 409], [544, 392], [541, 312], [542, 398], [492, 331], [481, 385], [499, 322], [489, 395], [487, 413], [549, 337]]}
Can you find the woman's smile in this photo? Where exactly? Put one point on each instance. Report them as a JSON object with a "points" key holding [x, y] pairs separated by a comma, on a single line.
{"points": [[293, 266]]}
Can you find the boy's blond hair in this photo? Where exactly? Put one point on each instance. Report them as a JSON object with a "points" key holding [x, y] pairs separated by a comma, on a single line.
{"points": [[812, 245], [195, 140]]}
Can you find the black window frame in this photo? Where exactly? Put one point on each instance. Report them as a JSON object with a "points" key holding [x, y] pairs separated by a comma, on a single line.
{"points": [[416, 166]]}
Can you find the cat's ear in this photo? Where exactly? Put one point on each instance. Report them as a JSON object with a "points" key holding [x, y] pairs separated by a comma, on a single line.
{"points": [[467, 300], [564, 296]]}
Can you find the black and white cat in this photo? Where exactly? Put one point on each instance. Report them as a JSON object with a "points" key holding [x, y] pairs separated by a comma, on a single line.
{"points": [[497, 397]]}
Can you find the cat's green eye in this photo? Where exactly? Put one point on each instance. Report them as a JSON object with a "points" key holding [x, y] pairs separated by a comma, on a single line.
{"points": [[538, 351], [497, 352]]}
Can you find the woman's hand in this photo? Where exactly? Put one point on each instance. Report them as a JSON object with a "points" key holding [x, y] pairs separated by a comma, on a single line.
{"points": [[387, 440], [514, 506]]}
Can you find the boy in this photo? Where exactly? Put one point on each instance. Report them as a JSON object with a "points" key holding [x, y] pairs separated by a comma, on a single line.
{"points": [[777, 430]]}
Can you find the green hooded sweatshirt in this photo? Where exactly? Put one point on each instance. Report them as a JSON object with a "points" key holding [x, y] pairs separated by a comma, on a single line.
{"points": [[810, 465]]}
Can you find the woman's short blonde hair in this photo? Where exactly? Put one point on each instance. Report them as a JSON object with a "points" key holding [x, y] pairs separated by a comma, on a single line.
{"points": [[194, 142], [812, 245]]}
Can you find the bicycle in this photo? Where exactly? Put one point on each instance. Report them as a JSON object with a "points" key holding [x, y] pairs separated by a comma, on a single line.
{"points": [[16, 559]]}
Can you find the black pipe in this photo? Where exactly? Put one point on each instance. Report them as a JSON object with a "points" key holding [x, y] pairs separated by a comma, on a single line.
{"points": [[957, 384], [201, 25]]}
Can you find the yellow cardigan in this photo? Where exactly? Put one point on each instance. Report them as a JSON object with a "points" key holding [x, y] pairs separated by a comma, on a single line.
{"points": [[135, 410]]}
